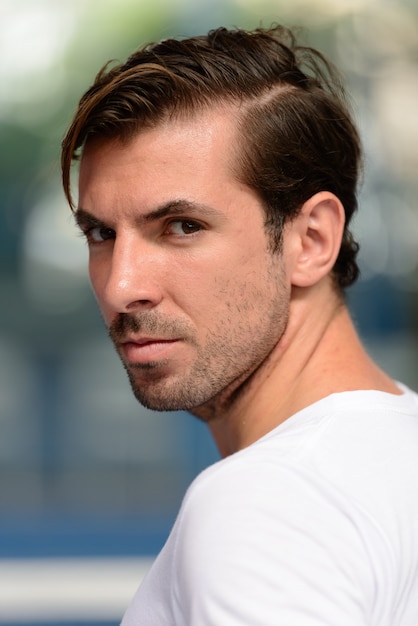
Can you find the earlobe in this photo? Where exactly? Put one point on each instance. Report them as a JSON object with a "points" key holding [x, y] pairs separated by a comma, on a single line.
{"points": [[318, 232]]}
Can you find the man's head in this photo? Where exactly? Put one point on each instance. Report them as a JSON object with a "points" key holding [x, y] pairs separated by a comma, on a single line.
{"points": [[295, 135], [211, 198]]}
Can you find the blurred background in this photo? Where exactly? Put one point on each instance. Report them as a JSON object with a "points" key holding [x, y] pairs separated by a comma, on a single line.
{"points": [[90, 482]]}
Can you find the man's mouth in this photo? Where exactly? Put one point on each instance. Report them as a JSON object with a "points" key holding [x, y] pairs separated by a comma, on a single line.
{"points": [[146, 349]]}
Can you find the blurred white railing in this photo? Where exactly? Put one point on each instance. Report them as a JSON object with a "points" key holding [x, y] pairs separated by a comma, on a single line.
{"points": [[45, 590]]}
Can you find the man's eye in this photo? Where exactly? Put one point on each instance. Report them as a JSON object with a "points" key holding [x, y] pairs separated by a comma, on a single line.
{"points": [[98, 234], [183, 227]]}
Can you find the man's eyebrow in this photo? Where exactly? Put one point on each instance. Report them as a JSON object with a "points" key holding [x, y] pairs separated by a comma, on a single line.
{"points": [[178, 207], [175, 207], [85, 219]]}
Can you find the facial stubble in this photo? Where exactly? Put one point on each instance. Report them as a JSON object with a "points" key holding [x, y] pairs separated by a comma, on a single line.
{"points": [[222, 366]]}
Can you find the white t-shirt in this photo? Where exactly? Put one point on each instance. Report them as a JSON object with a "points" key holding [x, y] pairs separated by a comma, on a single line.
{"points": [[315, 524]]}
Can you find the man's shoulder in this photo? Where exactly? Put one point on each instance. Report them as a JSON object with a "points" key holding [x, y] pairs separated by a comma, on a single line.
{"points": [[308, 491], [346, 446]]}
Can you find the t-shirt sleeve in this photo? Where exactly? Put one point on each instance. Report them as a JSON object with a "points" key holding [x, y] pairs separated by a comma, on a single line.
{"points": [[261, 545]]}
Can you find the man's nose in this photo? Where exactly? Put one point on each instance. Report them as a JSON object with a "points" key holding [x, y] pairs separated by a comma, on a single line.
{"points": [[133, 280]]}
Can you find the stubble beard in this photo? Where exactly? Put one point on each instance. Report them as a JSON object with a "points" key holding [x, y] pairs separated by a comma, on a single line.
{"points": [[216, 373], [221, 369]]}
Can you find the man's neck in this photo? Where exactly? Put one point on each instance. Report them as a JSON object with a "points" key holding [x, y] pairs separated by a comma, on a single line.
{"points": [[319, 354]]}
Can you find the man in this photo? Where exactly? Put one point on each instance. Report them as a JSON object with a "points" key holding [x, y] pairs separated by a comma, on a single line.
{"points": [[216, 187]]}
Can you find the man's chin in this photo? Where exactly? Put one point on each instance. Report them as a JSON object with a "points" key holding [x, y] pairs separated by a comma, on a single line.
{"points": [[149, 401], [161, 396]]}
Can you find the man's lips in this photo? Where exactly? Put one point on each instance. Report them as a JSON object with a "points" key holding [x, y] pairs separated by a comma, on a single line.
{"points": [[145, 349]]}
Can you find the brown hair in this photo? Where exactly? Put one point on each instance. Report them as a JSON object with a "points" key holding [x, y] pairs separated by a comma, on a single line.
{"points": [[297, 136]]}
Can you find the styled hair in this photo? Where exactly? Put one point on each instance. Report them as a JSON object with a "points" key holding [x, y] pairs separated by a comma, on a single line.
{"points": [[296, 136]]}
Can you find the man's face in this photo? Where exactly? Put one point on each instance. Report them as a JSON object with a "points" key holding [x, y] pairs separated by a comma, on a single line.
{"points": [[180, 262]]}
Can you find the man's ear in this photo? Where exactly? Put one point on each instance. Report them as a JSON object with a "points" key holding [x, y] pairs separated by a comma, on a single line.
{"points": [[316, 238]]}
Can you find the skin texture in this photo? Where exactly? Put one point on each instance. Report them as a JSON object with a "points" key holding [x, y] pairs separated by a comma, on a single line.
{"points": [[204, 316]]}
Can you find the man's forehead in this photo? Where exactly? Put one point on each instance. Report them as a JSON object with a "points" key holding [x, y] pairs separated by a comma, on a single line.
{"points": [[208, 140], [222, 120], [185, 161]]}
